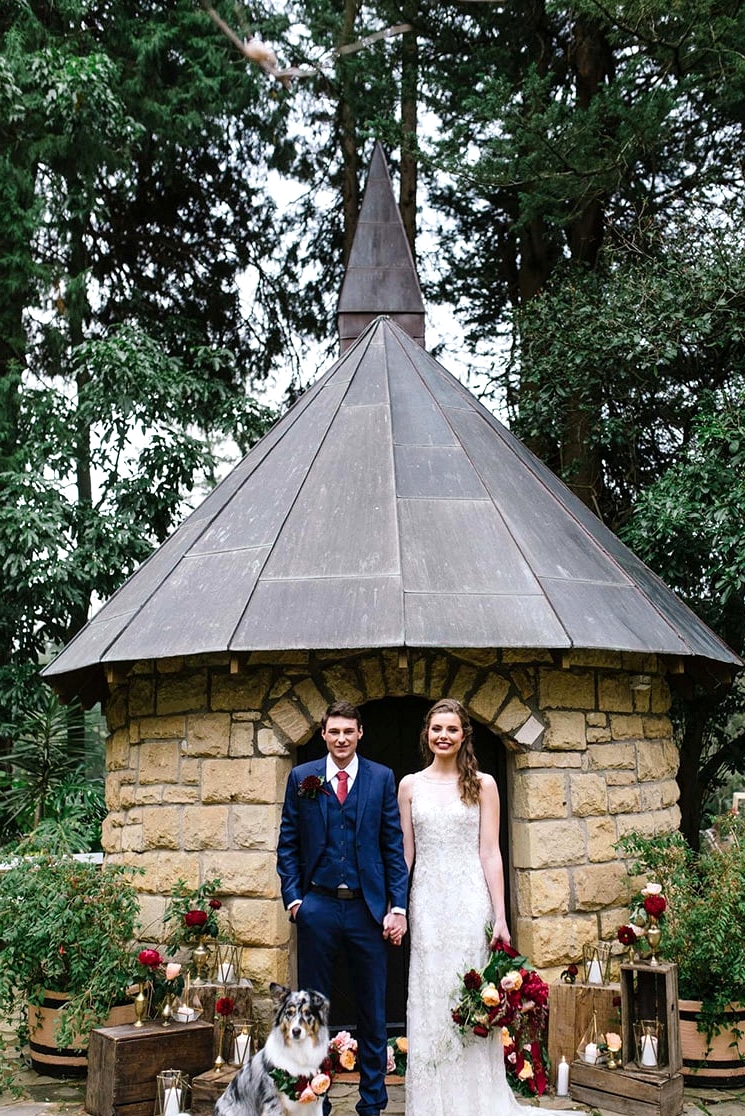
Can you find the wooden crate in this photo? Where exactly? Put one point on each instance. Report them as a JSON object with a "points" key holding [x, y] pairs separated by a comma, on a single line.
{"points": [[571, 1007], [208, 1087], [634, 1094], [651, 992], [123, 1063]]}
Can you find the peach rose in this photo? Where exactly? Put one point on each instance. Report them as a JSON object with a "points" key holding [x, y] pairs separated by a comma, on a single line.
{"points": [[490, 995], [347, 1059], [307, 1096], [320, 1084], [526, 1072], [613, 1041], [172, 970], [403, 1044], [506, 1037]]}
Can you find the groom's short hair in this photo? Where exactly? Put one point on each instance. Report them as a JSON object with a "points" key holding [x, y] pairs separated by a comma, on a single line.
{"points": [[342, 709]]}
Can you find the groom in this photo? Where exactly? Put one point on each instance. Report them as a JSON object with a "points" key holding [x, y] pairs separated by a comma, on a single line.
{"points": [[344, 881]]}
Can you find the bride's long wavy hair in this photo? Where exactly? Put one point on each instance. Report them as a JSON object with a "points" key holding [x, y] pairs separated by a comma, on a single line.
{"points": [[468, 768]]}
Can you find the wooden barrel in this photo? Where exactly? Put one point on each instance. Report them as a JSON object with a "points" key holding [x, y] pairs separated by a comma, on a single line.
{"points": [[721, 1067], [49, 1058]]}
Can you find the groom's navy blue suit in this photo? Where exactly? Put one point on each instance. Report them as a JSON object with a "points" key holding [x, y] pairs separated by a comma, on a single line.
{"points": [[322, 846]]}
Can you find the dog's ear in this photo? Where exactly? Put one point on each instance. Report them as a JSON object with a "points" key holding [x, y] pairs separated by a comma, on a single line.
{"points": [[319, 1004], [279, 993]]}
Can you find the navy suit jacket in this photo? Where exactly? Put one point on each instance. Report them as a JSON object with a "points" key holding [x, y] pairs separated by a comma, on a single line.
{"points": [[379, 840]]}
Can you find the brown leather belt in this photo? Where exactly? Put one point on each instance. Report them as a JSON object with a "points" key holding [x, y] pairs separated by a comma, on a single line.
{"points": [[337, 892]]}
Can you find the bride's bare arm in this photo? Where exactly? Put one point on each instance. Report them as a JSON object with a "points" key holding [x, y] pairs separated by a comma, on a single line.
{"points": [[491, 857], [407, 826]]}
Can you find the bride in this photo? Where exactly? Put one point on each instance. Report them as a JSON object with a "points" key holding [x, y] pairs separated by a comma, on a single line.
{"points": [[450, 821]]}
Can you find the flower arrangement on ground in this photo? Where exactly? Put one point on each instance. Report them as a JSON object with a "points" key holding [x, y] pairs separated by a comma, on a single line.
{"points": [[398, 1055], [508, 996], [343, 1052], [193, 914]]}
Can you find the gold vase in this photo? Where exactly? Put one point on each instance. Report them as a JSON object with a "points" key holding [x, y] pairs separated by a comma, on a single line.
{"points": [[219, 1063], [200, 959], [141, 1005], [653, 939], [167, 1010]]}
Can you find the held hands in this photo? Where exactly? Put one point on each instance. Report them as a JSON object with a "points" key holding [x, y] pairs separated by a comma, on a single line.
{"points": [[394, 928]]}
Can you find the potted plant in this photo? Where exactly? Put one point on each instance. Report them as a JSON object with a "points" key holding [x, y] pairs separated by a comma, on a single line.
{"points": [[702, 924], [66, 928]]}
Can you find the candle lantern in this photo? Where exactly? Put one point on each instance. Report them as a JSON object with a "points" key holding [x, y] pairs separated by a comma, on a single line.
{"points": [[188, 1008], [591, 1049], [228, 962], [649, 1044], [240, 1035], [596, 963], [171, 1093]]}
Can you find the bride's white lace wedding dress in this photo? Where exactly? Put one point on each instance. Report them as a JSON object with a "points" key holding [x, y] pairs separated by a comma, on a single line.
{"points": [[448, 1075]]}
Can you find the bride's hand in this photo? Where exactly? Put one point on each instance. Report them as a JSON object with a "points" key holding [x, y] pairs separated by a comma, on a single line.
{"points": [[501, 934]]}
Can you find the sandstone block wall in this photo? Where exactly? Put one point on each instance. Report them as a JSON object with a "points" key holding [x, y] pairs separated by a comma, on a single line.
{"points": [[200, 749]]}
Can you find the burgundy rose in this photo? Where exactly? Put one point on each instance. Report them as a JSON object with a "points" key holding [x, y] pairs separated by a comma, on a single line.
{"points": [[472, 980], [655, 905], [196, 918], [225, 1006], [626, 935], [481, 1030], [150, 958], [573, 970], [535, 988], [457, 1017], [506, 948], [215, 904]]}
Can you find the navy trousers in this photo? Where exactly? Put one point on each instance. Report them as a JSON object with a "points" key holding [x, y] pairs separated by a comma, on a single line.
{"points": [[327, 928]]}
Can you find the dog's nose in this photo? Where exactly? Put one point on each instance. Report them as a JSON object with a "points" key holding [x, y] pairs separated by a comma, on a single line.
{"points": [[296, 1032]]}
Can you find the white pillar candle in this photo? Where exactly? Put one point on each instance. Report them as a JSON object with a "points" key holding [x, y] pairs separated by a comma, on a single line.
{"points": [[591, 1053], [649, 1050], [225, 973], [595, 976], [185, 1014], [562, 1078], [241, 1049], [172, 1101]]}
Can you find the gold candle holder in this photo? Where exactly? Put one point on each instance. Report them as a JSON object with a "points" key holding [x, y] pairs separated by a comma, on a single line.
{"points": [[200, 957]]}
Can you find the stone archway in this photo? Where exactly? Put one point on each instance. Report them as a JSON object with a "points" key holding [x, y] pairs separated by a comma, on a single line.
{"points": [[391, 736]]}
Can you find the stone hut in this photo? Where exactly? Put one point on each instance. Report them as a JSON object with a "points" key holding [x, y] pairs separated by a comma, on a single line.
{"points": [[389, 542]]}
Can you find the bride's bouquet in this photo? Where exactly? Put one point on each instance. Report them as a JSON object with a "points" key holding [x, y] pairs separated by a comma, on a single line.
{"points": [[508, 995]]}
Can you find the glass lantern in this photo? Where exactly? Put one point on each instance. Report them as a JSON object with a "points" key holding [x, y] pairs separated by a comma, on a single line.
{"points": [[649, 1044], [591, 1048], [596, 963], [227, 963], [171, 1093], [240, 1048]]}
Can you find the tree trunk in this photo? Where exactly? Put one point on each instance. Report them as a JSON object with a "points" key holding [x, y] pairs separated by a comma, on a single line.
{"points": [[348, 135], [409, 86]]}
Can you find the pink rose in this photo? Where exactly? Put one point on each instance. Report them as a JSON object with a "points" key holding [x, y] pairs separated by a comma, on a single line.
{"points": [[307, 1096], [391, 1062], [512, 981], [172, 970]]}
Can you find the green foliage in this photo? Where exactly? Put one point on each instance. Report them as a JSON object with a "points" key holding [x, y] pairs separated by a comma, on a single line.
{"points": [[702, 927], [185, 901], [67, 926], [49, 791]]}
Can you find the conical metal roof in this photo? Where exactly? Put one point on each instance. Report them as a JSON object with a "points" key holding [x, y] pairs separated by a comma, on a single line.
{"points": [[380, 277], [388, 508]]}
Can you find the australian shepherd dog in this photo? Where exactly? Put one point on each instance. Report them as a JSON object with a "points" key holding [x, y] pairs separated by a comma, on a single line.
{"points": [[290, 1065]]}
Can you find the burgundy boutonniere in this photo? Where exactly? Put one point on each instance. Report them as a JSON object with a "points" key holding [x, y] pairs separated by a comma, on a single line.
{"points": [[311, 786]]}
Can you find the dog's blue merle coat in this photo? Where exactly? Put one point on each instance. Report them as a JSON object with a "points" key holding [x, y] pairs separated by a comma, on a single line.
{"points": [[297, 1043]]}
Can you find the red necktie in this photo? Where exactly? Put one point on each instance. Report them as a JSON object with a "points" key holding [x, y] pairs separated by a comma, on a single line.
{"points": [[342, 778]]}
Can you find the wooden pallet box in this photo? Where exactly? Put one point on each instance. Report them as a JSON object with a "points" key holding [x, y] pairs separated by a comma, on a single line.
{"points": [[630, 1092], [207, 1088], [651, 992], [571, 1009], [123, 1063]]}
